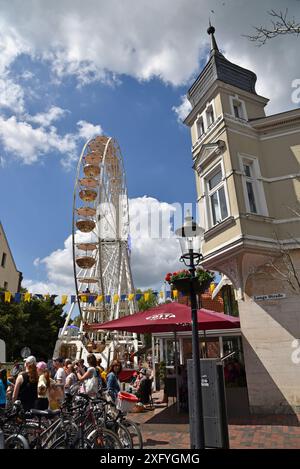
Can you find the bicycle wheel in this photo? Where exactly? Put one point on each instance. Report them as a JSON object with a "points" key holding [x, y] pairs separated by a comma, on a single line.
{"points": [[16, 442], [124, 436], [135, 433], [101, 438]]}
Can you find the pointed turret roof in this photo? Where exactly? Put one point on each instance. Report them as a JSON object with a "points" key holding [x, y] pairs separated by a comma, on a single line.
{"points": [[219, 68]]}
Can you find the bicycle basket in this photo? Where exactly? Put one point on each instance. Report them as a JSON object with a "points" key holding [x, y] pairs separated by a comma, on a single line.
{"points": [[126, 401]]}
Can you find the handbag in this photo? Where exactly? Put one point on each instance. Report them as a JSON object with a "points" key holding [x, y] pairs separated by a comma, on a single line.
{"points": [[91, 385]]}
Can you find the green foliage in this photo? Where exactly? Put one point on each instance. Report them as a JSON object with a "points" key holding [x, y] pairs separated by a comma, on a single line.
{"points": [[34, 324], [204, 275], [143, 304]]}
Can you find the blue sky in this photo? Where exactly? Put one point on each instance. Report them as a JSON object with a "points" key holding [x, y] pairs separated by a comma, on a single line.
{"points": [[124, 75]]}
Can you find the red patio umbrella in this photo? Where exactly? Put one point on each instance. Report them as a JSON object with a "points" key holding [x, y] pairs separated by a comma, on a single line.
{"points": [[169, 317], [166, 318]]}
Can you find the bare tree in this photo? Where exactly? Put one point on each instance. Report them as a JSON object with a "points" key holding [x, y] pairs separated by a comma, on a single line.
{"points": [[280, 25]]}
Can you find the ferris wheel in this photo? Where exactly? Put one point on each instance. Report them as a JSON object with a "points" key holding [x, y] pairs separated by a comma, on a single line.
{"points": [[100, 233]]}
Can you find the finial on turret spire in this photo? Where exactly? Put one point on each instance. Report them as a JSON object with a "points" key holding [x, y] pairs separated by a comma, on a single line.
{"points": [[211, 31]]}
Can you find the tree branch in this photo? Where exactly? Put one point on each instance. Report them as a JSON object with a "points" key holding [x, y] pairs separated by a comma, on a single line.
{"points": [[281, 25]]}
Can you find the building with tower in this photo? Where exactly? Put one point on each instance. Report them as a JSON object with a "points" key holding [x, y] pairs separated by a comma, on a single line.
{"points": [[247, 176]]}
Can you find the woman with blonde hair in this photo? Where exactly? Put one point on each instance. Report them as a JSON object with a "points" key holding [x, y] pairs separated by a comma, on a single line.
{"points": [[44, 385], [26, 387]]}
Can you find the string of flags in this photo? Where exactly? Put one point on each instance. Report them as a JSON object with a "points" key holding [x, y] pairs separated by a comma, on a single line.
{"points": [[88, 297]]}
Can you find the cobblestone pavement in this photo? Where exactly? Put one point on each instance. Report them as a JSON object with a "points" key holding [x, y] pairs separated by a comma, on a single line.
{"points": [[164, 428]]}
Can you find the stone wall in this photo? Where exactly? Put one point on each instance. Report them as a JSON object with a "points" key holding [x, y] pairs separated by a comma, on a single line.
{"points": [[271, 337]]}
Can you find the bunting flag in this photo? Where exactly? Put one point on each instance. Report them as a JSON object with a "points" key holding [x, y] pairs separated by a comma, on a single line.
{"points": [[17, 297], [91, 299], [212, 287], [64, 299], [27, 296], [7, 297], [116, 298]]}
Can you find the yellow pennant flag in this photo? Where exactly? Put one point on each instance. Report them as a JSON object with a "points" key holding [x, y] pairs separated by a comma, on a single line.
{"points": [[7, 296], [161, 294], [175, 293], [99, 299], [146, 296], [131, 296], [83, 298], [64, 299], [47, 297], [212, 287], [27, 297], [116, 298]]}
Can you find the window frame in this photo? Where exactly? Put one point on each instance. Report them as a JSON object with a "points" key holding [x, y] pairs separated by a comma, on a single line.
{"points": [[241, 106], [218, 167], [3, 259], [210, 115], [257, 185], [200, 124]]}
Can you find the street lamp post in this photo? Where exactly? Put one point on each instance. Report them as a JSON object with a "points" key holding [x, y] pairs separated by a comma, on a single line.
{"points": [[189, 235]]}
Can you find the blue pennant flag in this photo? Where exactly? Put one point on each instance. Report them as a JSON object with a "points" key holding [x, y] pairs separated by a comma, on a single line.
{"points": [[92, 299], [73, 299], [17, 297], [107, 298], [123, 297]]}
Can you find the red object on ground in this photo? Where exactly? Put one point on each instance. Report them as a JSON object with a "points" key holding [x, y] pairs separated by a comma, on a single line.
{"points": [[126, 375], [126, 396], [168, 317]]}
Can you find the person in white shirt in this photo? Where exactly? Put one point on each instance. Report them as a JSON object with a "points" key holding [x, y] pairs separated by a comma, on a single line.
{"points": [[60, 375]]}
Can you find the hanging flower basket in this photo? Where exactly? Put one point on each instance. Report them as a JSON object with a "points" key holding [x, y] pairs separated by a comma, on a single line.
{"points": [[182, 281], [183, 285]]}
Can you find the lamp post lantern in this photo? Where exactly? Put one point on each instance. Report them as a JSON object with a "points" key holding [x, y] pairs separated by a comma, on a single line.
{"points": [[189, 237]]}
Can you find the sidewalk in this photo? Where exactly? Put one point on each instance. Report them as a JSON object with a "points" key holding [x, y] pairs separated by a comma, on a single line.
{"points": [[164, 428]]}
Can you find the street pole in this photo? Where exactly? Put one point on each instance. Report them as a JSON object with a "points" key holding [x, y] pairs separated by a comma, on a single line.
{"points": [[198, 407]]}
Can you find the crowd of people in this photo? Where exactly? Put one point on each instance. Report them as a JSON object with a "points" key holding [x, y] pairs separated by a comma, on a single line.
{"points": [[41, 386]]}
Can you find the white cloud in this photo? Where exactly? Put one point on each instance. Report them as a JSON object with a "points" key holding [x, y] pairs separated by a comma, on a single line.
{"points": [[29, 144], [88, 130], [11, 95], [153, 39], [46, 118], [183, 109], [151, 258]]}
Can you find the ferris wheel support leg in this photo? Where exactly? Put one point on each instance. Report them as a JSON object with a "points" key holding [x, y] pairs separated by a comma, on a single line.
{"points": [[67, 320]]}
